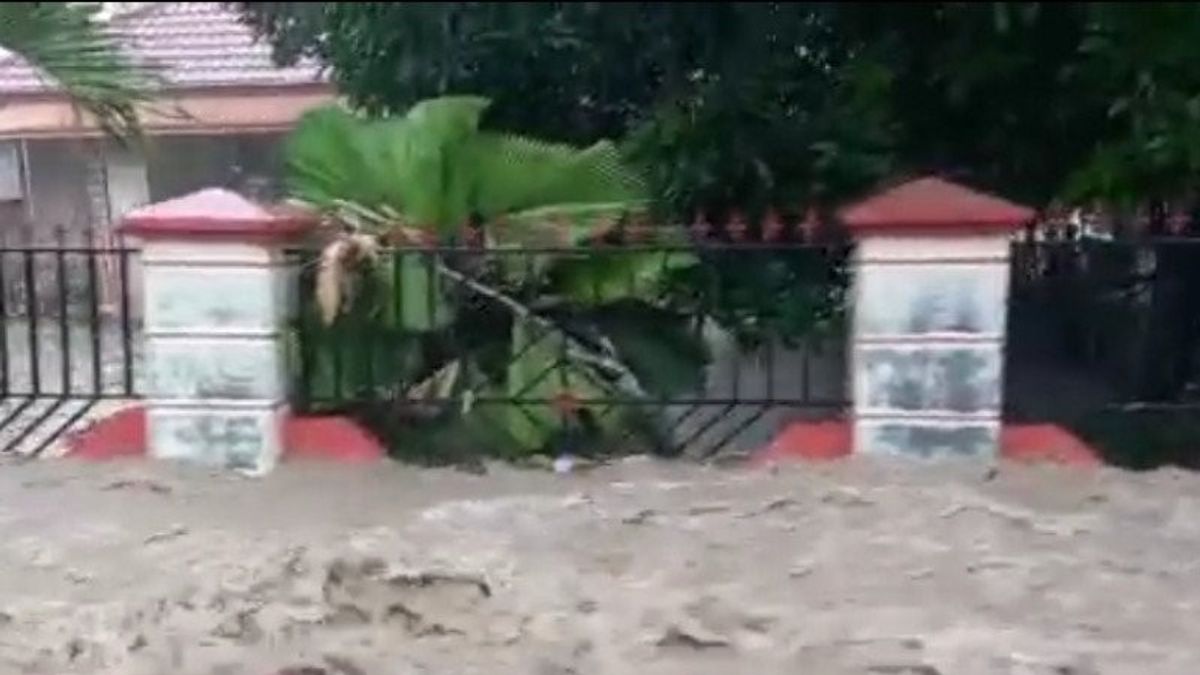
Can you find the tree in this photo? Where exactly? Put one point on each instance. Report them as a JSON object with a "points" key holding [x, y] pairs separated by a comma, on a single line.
{"points": [[736, 104], [1034, 100], [66, 42], [527, 327], [744, 107], [726, 108], [1042, 100], [591, 69]]}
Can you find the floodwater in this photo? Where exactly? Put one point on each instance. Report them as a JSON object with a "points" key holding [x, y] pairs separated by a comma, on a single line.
{"points": [[639, 567]]}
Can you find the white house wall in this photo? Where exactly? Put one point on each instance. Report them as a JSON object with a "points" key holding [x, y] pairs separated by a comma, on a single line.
{"points": [[58, 176]]}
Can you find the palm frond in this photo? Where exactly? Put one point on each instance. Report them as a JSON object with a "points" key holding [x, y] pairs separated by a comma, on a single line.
{"points": [[436, 169], [448, 118], [333, 271], [515, 174], [70, 47], [562, 224], [329, 165]]}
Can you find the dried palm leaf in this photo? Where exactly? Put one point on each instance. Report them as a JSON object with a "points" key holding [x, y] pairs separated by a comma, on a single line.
{"points": [[335, 271], [330, 272]]}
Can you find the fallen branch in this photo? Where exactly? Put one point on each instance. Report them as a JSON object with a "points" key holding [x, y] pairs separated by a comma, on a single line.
{"points": [[575, 348]]}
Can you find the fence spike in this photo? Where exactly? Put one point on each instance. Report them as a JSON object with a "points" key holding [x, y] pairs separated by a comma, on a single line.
{"points": [[809, 225], [772, 228], [640, 229], [737, 227]]}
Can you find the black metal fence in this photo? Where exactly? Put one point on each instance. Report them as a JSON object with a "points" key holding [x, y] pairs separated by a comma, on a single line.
{"points": [[682, 348], [69, 337], [1104, 337], [696, 348], [714, 346]]}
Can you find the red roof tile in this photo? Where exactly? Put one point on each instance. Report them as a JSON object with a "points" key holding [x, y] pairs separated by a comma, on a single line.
{"points": [[194, 44], [933, 204], [213, 212]]}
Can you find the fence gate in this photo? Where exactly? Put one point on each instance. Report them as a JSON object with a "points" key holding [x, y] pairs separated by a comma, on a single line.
{"points": [[69, 344]]}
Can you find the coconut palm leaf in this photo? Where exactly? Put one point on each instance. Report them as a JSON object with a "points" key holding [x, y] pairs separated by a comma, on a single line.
{"points": [[66, 43]]}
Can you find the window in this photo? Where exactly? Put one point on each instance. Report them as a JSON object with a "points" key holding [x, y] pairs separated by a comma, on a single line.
{"points": [[11, 188]]}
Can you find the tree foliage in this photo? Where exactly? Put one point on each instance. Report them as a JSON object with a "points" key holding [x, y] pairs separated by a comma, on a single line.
{"points": [[1043, 100], [754, 102], [738, 108], [68, 44], [434, 169], [732, 103]]}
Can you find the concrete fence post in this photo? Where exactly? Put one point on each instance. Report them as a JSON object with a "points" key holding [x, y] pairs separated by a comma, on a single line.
{"points": [[930, 306], [216, 293]]}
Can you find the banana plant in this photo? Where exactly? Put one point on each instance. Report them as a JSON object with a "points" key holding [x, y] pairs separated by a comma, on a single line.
{"points": [[543, 329]]}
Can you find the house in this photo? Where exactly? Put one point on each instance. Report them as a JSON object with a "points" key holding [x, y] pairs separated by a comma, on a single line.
{"points": [[223, 111]]}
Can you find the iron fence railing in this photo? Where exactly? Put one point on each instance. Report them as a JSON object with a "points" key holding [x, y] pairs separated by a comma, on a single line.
{"points": [[1103, 323], [1104, 339], [69, 337], [712, 346]]}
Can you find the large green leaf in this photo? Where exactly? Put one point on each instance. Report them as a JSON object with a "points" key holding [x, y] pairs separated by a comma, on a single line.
{"points": [[563, 225], [542, 372], [414, 298], [448, 118], [605, 276], [434, 168], [557, 229], [514, 174], [608, 274], [325, 162]]}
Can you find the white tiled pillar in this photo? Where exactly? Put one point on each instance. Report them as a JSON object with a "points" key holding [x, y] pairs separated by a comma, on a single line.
{"points": [[928, 346], [930, 307], [215, 312]]}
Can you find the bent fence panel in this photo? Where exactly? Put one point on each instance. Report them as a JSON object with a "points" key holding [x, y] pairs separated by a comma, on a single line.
{"points": [[676, 349]]}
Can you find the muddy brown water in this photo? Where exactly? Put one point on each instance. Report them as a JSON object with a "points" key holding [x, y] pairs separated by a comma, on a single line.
{"points": [[640, 567]]}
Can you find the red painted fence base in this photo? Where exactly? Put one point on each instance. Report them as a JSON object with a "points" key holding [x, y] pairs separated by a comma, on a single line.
{"points": [[123, 434], [340, 439], [1025, 443]]}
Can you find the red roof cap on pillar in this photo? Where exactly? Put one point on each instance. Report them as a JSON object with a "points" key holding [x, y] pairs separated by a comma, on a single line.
{"points": [[933, 206], [215, 213]]}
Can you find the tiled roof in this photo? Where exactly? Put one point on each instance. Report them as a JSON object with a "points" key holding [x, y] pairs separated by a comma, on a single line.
{"points": [[933, 204], [193, 44]]}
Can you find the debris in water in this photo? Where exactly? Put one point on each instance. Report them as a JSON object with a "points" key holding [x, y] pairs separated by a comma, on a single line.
{"points": [[564, 464], [174, 532], [138, 483], [692, 639], [639, 518], [343, 665]]}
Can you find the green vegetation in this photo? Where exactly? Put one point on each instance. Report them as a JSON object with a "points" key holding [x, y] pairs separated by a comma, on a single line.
{"points": [[444, 328], [67, 44], [800, 102], [735, 110]]}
